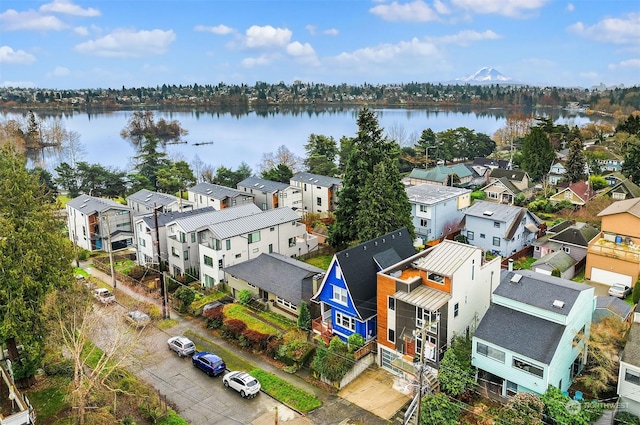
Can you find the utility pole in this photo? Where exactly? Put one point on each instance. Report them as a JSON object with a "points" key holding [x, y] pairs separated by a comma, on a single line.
{"points": [[113, 271], [156, 243]]}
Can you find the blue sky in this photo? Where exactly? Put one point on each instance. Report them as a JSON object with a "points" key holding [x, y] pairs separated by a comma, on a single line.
{"points": [[64, 44]]}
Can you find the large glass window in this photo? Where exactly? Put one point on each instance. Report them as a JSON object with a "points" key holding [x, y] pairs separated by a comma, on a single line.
{"points": [[631, 376], [528, 367], [208, 261], [345, 321], [490, 352], [254, 237]]}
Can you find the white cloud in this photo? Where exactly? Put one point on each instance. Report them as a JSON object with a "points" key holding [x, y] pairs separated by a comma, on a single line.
{"points": [[59, 71], [511, 8], [628, 64], [67, 7], [387, 52], [611, 30], [12, 20], [416, 11], [571, 7], [259, 61], [267, 36], [15, 57], [129, 44], [23, 84], [464, 38], [312, 29], [441, 8], [298, 49], [331, 31], [218, 29], [81, 31]]}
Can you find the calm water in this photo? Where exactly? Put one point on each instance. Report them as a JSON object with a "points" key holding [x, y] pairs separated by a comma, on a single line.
{"points": [[248, 137]]}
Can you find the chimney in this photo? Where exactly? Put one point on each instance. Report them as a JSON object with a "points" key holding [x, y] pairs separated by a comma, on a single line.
{"points": [[510, 264]]}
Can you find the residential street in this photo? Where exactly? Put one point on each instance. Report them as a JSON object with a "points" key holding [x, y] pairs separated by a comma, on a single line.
{"points": [[202, 400]]}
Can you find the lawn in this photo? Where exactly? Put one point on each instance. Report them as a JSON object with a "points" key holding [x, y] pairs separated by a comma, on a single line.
{"points": [[240, 312], [321, 261]]}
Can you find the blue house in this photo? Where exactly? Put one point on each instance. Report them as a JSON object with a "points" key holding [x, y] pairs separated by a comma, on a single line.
{"points": [[534, 334], [347, 294]]}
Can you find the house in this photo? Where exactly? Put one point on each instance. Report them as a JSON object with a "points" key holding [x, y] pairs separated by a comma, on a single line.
{"points": [[15, 408], [568, 236], [614, 256], [444, 175], [281, 283], [498, 228], [501, 190], [444, 291], [623, 189], [518, 178], [559, 261], [556, 173], [491, 163], [614, 307], [347, 295], [534, 334], [268, 194], [145, 234], [629, 372], [216, 196], [614, 178], [98, 224], [437, 210], [145, 201], [319, 193], [225, 243], [578, 193], [184, 234]]}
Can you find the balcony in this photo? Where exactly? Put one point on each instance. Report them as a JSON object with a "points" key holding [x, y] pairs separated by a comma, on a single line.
{"points": [[15, 408], [619, 251]]}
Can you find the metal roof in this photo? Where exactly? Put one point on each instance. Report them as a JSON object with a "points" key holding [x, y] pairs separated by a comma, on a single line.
{"points": [[425, 297], [262, 185], [196, 222], [216, 191], [90, 204], [426, 193], [252, 222], [164, 218], [151, 199], [446, 257], [316, 179]]}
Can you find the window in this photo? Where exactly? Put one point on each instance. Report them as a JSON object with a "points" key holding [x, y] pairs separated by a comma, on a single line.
{"points": [[264, 206], [512, 388], [186, 255], [424, 208], [141, 242], [425, 316], [286, 304], [482, 236], [208, 261], [632, 376], [492, 353], [216, 244], [391, 335], [228, 243], [272, 229], [537, 248], [566, 249], [456, 309], [528, 367], [319, 201], [496, 224], [430, 347], [436, 277], [175, 252], [392, 303], [220, 265], [424, 222], [193, 237], [270, 248], [209, 281], [238, 255], [340, 295], [567, 194], [182, 237], [254, 237], [346, 322], [292, 242], [470, 235], [496, 241]]}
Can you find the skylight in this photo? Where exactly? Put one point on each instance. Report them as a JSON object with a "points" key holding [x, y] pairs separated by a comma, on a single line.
{"points": [[489, 213], [516, 278], [558, 304]]}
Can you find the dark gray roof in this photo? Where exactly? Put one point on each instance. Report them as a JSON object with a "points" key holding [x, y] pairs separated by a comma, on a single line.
{"points": [[614, 305], [631, 352], [90, 204], [361, 263], [520, 333], [164, 218], [556, 260], [513, 175], [150, 198], [579, 234], [539, 290], [506, 183], [262, 185], [317, 179], [216, 191], [491, 162], [563, 225], [283, 276]]}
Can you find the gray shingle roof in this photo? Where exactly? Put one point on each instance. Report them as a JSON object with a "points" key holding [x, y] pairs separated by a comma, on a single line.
{"points": [[614, 305], [631, 206], [521, 333], [252, 222], [216, 191], [262, 185], [164, 218], [285, 277], [631, 352], [539, 290], [579, 234], [513, 175], [150, 198], [556, 260], [430, 194], [316, 179], [192, 223], [90, 204]]}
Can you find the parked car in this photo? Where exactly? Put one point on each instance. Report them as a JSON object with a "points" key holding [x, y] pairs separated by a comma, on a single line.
{"points": [[619, 290], [209, 362], [137, 318], [181, 345], [104, 296], [242, 382], [210, 306]]}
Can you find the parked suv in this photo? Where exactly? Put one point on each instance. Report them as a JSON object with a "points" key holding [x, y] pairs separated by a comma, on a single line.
{"points": [[242, 382], [209, 363], [619, 290], [181, 345]]}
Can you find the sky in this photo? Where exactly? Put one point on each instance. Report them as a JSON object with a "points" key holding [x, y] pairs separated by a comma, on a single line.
{"points": [[76, 44]]}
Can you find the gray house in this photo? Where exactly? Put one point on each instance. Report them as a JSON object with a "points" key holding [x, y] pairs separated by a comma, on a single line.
{"points": [[498, 228], [572, 238], [269, 195]]}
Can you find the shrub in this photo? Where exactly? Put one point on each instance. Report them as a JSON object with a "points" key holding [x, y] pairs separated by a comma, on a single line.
{"points": [[244, 296], [214, 317], [273, 346], [304, 317], [636, 292], [233, 328], [137, 272], [61, 368], [355, 342], [83, 254], [186, 296], [254, 339], [154, 312], [478, 195], [626, 418], [332, 362]]}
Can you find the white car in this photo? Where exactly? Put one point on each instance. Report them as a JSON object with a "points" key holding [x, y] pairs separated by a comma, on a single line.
{"points": [[242, 382], [181, 345], [104, 296], [619, 290]]}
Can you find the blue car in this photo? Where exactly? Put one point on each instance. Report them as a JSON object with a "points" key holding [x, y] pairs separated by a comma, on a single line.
{"points": [[209, 363]]}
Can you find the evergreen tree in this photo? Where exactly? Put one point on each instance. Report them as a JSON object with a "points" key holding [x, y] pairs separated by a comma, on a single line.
{"points": [[304, 317], [631, 165], [281, 173], [537, 153], [35, 258], [149, 161], [369, 148], [576, 162], [322, 152]]}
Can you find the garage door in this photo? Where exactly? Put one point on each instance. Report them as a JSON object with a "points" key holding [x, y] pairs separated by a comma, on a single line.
{"points": [[543, 271], [609, 278]]}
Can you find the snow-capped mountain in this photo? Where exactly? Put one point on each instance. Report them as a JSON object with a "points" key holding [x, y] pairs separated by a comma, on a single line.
{"points": [[485, 75]]}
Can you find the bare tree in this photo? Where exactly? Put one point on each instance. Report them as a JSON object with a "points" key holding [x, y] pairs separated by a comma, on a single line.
{"points": [[74, 150], [284, 156], [398, 133]]}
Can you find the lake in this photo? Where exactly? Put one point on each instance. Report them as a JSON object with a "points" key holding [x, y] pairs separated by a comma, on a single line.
{"points": [[248, 137]]}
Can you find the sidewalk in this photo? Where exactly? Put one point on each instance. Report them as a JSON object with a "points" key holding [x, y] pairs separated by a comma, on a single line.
{"points": [[334, 410]]}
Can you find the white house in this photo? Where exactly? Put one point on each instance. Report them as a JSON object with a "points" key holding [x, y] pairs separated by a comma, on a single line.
{"points": [[145, 201], [319, 193], [216, 196], [268, 194]]}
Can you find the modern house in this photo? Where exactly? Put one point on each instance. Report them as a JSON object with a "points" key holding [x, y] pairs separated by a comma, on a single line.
{"points": [[319, 193], [614, 256], [269, 195], [145, 201], [145, 233], [229, 242], [437, 210], [556, 173], [216, 196], [629, 372], [534, 334], [491, 163], [444, 291], [578, 193], [98, 224], [498, 228], [280, 283], [571, 237], [348, 293]]}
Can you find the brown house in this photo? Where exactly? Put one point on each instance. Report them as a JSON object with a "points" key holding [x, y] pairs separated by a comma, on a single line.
{"points": [[614, 257]]}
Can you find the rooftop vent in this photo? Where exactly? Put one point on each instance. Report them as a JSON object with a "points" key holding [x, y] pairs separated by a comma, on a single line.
{"points": [[516, 278], [489, 213], [558, 304]]}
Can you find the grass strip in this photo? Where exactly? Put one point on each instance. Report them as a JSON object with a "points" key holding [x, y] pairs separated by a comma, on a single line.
{"points": [[237, 311], [285, 392]]}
